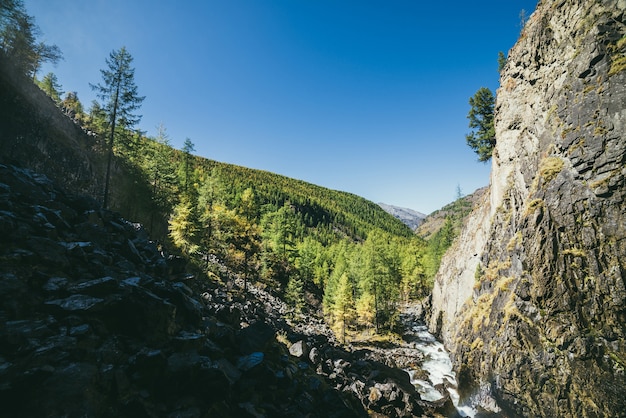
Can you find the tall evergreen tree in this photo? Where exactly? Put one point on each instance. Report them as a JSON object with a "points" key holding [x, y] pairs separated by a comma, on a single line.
{"points": [[188, 148], [161, 173], [501, 61], [50, 85], [183, 225], [481, 119], [121, 101], [344, 309], [73, 107]]}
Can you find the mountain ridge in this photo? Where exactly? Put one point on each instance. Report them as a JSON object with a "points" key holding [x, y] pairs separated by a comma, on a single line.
{"points": [[409, 217], [74, 156]]}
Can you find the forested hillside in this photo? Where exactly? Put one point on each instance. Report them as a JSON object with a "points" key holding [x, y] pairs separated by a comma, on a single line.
{"points": [[316, 247]]}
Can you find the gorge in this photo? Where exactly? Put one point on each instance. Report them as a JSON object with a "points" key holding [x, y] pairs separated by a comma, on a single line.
{"points": [[99, 317]]}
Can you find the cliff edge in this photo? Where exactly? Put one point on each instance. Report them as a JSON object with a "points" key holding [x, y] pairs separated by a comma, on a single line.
{"points": [[531, 298]]}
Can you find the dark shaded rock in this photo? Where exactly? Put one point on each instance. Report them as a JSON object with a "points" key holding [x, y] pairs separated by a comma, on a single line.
{"points": [[141, 313], [256, 337], [97, 287], [77, 303], [249, 361]]}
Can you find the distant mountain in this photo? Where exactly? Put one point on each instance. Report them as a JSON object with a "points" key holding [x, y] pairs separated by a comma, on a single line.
{"points": [[456, 211], [409, 217]]}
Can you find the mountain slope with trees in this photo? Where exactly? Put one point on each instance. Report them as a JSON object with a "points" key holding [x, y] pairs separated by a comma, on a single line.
{"points": [[309, 243]]}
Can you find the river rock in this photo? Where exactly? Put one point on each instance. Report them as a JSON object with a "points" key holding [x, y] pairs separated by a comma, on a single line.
{"points": [[299, 349]]}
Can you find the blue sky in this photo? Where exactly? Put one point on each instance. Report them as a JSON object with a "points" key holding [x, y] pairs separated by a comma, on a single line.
{"points": [[368, 96]]}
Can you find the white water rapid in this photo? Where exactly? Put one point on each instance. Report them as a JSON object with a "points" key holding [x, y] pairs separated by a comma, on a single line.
{"points": [[436, 363]]}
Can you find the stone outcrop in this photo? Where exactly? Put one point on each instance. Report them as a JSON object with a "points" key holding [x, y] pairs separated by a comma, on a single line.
{"points": [[531, 299]]}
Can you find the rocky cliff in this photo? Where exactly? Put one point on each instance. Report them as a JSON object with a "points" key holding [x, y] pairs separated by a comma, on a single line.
{"points": [[531, 298]]}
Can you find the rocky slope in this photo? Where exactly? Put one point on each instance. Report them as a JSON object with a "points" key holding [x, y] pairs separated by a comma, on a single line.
{"points": [[457, 211], [409, 217], [96, 321], [531, 298]]}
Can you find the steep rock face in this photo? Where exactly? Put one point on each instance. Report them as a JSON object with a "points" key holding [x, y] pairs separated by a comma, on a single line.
{"points": [[534, 305]]}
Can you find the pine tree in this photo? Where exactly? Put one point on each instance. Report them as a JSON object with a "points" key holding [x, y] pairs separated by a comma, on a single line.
{"points": [[294, 294], [483, 139], [73, 107], [50, 85], [501, 61], [161, 174], [121, 100], [343, 309], [188, 148]]}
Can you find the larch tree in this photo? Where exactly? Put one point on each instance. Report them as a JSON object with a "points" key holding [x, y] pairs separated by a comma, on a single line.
{"points": [[72, 106], [481, 119], [160, 172], [344, 310], [188, 149], [50, 85], [121, 100]]}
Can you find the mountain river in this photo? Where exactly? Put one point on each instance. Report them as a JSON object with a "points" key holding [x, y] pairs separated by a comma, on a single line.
{"points": [[436, 363]]}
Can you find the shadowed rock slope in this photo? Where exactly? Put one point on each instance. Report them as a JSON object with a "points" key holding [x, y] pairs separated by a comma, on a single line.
{"points": [[531, 298], [96, 322]]}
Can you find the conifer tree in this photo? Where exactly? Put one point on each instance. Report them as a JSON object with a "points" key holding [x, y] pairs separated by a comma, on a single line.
{"points": [[18, 39], [121, 100], [188, 148], [50, 85], [501, 61], [481, 119], [344, 311], [160, 172], [184, 227], [73, 107], [294, 294]]}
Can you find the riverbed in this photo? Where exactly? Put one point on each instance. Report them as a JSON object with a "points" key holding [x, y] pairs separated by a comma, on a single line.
{"points": [[439, 380]]}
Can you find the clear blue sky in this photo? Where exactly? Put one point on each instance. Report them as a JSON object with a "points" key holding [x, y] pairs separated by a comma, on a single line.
{"points": [[365, 96]]}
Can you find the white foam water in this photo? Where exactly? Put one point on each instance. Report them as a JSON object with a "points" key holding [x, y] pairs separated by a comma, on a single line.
{"points": [[438, 365]]}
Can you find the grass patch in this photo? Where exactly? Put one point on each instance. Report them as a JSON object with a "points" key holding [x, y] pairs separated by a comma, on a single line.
{"points": [[550, 167], [504, 283], [492, 272], [575, 252], [618, 59], [514, 242], [532, 206]]}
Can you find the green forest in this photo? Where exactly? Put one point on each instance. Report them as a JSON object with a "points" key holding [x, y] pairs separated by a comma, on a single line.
{"points": [[314, 246]]}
